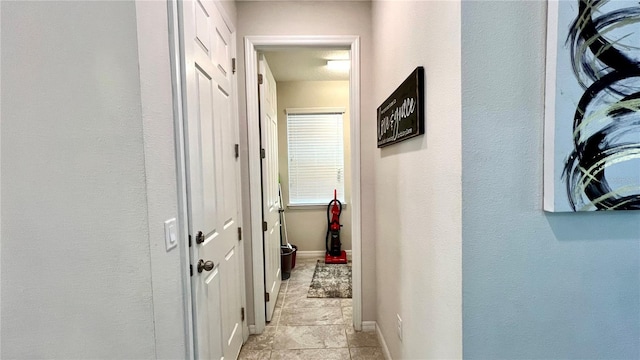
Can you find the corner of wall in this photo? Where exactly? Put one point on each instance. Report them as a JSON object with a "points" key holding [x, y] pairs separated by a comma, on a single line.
{"points": [[160, 176], [417, 183]]}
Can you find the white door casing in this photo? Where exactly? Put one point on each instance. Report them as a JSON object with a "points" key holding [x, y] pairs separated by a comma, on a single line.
{"points": [[270, 199], [211, 135], [252, 45]]}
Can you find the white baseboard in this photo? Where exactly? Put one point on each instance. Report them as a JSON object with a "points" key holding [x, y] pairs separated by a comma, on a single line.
{"points": [[252, 329], [368, 326], [309, 254], [315, 254], [383, 344]]}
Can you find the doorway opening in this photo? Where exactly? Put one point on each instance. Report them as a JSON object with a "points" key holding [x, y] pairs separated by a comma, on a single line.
{"points": [[254, 46]]}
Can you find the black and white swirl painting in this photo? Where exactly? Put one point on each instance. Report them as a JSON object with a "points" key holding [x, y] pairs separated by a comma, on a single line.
{"points": [[592, 112]]}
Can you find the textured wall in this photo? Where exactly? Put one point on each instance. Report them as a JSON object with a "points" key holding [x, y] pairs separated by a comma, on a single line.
{"points": [[76, 279], [318, 18], [307, 227], [160, 174], [417, 183], [536, 285]]}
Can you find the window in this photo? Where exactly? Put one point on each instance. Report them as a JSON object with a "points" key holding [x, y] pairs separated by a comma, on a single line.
{"points": [[316, 155]]}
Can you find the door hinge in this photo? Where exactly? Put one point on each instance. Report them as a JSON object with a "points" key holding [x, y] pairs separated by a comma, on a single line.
{"points": [[189, 240], [266, 296], [263, 154], [191, 270], [239, 233], [260, 79], [242, 314], [265, 226], [237, 149], [233, 65]]}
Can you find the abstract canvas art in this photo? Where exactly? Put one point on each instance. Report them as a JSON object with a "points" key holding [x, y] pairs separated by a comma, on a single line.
{"points": [[592, 106]]}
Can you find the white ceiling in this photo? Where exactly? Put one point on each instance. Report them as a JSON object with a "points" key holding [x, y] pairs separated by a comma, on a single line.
{"points": [[305, 64]]}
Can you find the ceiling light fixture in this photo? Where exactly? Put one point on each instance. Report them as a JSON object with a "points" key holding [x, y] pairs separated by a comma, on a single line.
{"points": [[339, 65]]}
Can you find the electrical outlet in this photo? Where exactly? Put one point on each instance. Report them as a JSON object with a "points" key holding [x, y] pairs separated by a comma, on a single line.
{"points": [[399, 327]]}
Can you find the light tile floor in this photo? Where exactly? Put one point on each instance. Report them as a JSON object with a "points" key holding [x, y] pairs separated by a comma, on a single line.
{"points": [[310, 329]]}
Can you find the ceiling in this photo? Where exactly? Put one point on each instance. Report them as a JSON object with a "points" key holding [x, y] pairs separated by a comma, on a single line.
{"points": [[305, 64]]}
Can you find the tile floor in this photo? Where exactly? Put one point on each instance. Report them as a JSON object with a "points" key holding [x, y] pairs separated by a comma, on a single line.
{"points": [[310, 329]]}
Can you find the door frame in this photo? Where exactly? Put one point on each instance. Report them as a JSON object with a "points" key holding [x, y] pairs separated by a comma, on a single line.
{"points": [[174, 12], [252, 45], [178, 84]]}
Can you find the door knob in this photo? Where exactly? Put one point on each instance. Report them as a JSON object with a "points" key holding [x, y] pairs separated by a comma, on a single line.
{"points": [[205, 265]]}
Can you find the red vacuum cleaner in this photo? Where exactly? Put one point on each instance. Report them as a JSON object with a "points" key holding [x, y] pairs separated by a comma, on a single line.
{"points": [[334, 253]]}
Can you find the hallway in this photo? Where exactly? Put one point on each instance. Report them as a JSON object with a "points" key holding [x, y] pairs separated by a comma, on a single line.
{"points": [[453, 247], [310, 328]]}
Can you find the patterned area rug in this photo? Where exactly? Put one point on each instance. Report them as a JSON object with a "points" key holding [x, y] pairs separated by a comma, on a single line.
{"points": [[331, 281]]}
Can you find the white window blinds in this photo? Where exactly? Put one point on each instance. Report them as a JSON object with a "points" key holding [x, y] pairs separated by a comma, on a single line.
{"points": [[316, 157]]}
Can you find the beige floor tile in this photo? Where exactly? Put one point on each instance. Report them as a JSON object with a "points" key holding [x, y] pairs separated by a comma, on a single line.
{"points": [[302, 276], [298, 299], [305, 266], [302, 281], [362, 338], [347, 315], [309, 337], [312, 354], [281, 295], [301, 326], [247, 354], [261, 341], [298, 291], [298, 288], [311, 316], [366, 353], [308, 260], [305, 302], [346, 302], [276, 317]]}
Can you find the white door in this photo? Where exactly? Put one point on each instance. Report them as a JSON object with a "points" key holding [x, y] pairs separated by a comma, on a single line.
{"points": [[212, 182], [270, 201]]}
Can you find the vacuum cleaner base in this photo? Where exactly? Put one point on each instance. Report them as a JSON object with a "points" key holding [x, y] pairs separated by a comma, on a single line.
{"points": [[342, 259]]}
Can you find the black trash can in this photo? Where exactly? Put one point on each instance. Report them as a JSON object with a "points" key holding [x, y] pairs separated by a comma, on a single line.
{"points": [[286, 260]]}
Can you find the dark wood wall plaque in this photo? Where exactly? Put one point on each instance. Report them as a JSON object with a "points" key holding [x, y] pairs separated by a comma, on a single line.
{"points": [[401, 116]]}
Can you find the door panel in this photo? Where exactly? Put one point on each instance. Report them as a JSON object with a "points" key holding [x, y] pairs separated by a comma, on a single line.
{"points": [[211, 129], [208, 163], [270, 199], [212, 324], [203, 35]]}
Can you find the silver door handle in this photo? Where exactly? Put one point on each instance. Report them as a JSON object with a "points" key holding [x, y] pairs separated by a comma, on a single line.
{"points": [[205, 265]]}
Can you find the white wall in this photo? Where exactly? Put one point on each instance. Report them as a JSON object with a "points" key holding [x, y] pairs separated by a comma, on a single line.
{"points": [[160, 174], [76, 278], [230, 10], [317, 18], [536, 285], [418, 183], [88, 122], [307, 226]]}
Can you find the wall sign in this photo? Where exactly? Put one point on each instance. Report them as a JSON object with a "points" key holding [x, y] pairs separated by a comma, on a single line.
{"points": [[401, 116]]}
